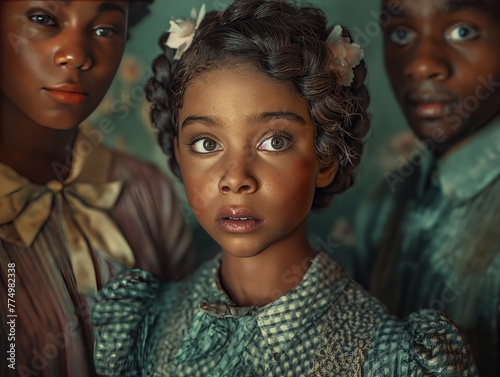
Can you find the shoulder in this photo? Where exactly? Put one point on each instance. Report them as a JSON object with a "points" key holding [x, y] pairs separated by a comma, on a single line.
{"points": [[177, 328], [426, 343], [143, 182], [200, 285], [131, 167], [378, 213], [389, 191], [122, 306], [348, 329], [135, 285], [397, 184], [360, 334]]}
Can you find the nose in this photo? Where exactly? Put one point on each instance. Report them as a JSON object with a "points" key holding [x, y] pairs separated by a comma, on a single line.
{"points": [[428, 62], [73, 53], [238, 176]]}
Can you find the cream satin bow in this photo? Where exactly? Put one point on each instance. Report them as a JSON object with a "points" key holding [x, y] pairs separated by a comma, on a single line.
{"points": [[84, 217]]}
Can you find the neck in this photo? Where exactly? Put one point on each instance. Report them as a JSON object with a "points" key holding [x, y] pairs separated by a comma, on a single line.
{"points": [[38, 153], [264, 278]]}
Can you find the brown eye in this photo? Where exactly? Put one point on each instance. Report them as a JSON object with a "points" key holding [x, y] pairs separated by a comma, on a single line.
{"points": [[209, 145], [275, 144], [402, 36], [205, 145], [105, 32], [42, 19], [462, 33]]}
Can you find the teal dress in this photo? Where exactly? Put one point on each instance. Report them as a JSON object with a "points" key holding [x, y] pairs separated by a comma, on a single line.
{"points": [[327, 326], [431, 239]]}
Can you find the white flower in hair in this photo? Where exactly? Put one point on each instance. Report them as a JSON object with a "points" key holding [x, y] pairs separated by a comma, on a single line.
{"points": [[346, 55], [181, 31]]}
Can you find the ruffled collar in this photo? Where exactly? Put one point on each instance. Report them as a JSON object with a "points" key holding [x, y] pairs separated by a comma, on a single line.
{"points": [[280, 322], [82, 201]]}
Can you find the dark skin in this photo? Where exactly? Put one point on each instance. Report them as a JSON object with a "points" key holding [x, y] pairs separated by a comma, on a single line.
{"points": [[250, 174], [443, 60], [58, 61]]}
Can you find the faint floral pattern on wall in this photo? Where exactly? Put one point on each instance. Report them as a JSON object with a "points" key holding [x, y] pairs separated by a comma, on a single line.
{"points": [[131, 70], [125, 112]]}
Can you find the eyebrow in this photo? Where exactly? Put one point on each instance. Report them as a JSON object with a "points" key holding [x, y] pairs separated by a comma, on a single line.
{"points": [[266, 117], [208, 121], [110, 7], [260, 118], [449, 7], [459, 5]]}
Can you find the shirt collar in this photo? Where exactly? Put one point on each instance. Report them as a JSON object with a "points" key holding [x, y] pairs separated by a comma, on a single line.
{"points": [[293, 313], [290, 315], [83, 201], [468, 170]]}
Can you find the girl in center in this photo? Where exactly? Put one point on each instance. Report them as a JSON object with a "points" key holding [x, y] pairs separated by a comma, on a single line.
{"points": [[263, 115]]}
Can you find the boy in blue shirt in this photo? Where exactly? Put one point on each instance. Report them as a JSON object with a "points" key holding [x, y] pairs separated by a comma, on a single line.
{"points": [[430, 235]]}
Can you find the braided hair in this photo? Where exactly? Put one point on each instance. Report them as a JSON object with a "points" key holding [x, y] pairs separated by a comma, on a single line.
{"points": [[288, 44]]}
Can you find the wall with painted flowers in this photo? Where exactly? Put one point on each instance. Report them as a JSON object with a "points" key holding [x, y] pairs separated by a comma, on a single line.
{"points": [[389, 140]]}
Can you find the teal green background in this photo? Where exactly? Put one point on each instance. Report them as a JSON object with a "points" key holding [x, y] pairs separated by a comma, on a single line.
{"points": [[126, 108]]}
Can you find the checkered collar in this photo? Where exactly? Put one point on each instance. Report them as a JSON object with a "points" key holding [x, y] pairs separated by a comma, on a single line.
{"points": [[283, 320], [466, 171]]}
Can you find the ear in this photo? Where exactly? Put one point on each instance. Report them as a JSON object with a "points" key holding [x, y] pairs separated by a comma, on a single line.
{"points": [[326, 174]]}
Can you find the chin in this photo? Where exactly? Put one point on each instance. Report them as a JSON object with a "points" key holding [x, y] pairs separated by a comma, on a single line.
{"points": [[428, 129], [242, 253], [242, 249], [66, 128]]}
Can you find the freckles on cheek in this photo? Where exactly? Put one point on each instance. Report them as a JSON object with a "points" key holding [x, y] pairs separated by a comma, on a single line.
{"points": [[199, 193], [299, 178], [197, 200], [303, 168]]}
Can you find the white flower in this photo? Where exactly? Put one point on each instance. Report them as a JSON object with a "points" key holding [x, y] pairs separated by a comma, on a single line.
{"points": [[346, 55], [181, 32]]}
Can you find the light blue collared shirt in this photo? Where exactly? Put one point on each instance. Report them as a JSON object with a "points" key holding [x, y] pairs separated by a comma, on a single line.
{"points": [[434, 242]]}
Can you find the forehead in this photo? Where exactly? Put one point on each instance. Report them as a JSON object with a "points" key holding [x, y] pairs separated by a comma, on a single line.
{"points": [[219, 95], [231, 71], [429, 8], [223, 84]]}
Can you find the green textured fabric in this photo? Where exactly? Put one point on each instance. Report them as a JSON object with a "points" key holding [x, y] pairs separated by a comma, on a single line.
{"points": [[434, 242], [327, 326]]}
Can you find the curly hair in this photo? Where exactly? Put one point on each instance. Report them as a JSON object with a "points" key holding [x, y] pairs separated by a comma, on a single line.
{"points": [[288, 44]]}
